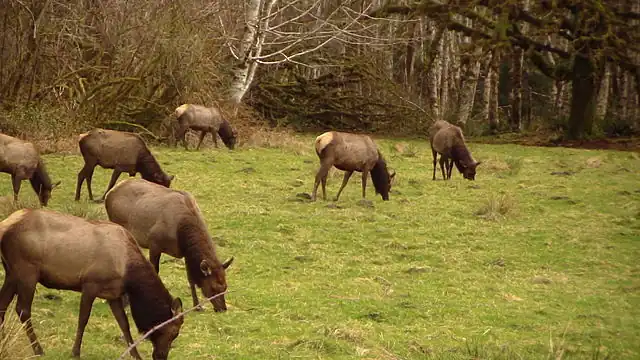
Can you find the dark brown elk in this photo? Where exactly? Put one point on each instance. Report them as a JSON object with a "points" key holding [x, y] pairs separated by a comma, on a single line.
{"points": [[206, 120], [349, 153], [97, 259], [120, 151], [22, 160], [169, 221], [448, 141]]}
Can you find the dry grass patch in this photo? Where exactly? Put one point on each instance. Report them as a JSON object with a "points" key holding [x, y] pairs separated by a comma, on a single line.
{"points": [[497, 207], [13, 339], [266, 138], [8, 206]]}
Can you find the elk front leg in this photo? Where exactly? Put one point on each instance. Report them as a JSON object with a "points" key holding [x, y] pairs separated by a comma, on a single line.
{"points": [[86, 302], [117, 309], [16, 186], [112, 182], [345, 180], [202, 135]]}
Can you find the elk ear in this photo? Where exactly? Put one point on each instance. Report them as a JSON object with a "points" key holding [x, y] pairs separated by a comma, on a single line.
{"points": [[55, 185], [205, 268], [392, 174], [227, 263], [171, 178], [478, 163], [176, 306]]}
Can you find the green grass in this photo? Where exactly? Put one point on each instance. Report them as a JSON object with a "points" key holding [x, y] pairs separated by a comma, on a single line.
{"points": [[518, 264]]}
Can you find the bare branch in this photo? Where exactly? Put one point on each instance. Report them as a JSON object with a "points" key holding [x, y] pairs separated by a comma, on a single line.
{"points": [[163, 324]]}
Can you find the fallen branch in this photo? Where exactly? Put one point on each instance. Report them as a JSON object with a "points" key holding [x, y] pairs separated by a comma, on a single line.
{"points": [[161, 325], [137, 126]]}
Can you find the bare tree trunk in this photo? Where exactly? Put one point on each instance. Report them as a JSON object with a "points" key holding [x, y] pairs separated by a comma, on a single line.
{"points": [[432, 67], [445, 65], [469, 83], [515, 121], [494, 119], [410, 55], [486, 90], [603, 94]]}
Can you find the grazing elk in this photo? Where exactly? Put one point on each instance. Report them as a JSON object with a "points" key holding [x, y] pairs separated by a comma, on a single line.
{"points": [[99, 259], [21, 160], [349, 153], [169, 221], [447, 140], [120, 151], [206, 120]]}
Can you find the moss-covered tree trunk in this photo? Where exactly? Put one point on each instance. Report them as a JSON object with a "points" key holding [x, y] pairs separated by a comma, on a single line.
{"points": [[584, 97]]}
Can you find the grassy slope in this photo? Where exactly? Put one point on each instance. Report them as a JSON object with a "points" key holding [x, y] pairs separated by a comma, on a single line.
{"points": [[419, 276]]}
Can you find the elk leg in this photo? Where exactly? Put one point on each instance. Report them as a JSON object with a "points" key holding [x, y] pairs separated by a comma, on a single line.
{"points": [[86, 302], [321, 175], [117, 310], [26, 288], [215, 139], [7, 293], [365, 175], [16, 186], [202, 135], [194, 294], [324, 187], [450, 167], [435, 157], [154, 258], [82, 175], [345, 180], [442, 161], [182, 136], [112, 182]]}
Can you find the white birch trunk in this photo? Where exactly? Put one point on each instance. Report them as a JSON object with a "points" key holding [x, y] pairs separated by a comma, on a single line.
{"points": [[250, 48]]}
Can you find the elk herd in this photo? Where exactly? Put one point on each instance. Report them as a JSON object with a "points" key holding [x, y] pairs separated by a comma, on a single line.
{"points": [[103, 259]]}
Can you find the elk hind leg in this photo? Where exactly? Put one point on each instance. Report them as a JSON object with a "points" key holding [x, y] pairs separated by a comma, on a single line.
{"points": [[7, 293], [26, 289], [86, 173], [435, 157], [321, 175]]}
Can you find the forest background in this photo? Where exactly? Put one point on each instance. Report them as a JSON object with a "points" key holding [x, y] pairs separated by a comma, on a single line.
{"points": [[566, 69]]}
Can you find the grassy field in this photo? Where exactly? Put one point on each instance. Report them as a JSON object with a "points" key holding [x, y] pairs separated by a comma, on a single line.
{"points": [[538, 258]]}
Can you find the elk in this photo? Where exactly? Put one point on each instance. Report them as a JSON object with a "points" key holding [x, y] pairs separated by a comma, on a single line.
{"points": [[206, 120], [120, 151], [99, 259], [351, 152], [22, 160], [169, 221], [447, 140]]}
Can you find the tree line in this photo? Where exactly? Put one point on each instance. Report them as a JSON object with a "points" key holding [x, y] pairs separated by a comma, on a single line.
{"points": [[367, 65]]}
